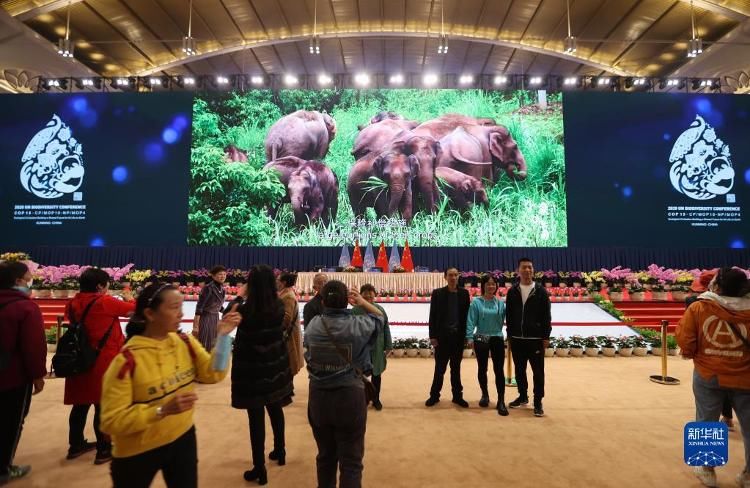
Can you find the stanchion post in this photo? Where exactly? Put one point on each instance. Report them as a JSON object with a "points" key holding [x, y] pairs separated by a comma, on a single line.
{"points": [[663, 378], [509, 379]]}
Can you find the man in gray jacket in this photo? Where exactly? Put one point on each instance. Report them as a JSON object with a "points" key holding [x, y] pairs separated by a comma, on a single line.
{"points": [[337, 344]]}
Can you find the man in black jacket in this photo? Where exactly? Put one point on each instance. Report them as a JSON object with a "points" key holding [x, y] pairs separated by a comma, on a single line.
{"points": [[314, 307], [449, 307], [529, 319]]}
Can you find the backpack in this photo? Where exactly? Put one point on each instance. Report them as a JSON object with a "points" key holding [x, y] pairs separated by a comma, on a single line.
{"points": [[129, 366], [5, 356], [74, 352]]}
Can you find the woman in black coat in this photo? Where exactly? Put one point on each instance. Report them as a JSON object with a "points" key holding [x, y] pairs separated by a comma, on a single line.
{"points": [[261, 378]]}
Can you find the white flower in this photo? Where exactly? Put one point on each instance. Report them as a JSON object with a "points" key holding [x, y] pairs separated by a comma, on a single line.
{"points": [[709, 135], [543, 208], [64, 133]]}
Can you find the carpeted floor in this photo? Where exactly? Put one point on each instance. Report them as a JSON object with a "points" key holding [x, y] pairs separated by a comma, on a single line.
{"points": [[607, 425]]}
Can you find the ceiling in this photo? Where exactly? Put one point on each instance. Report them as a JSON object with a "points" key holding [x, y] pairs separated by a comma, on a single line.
{"points": [[143, 37]]}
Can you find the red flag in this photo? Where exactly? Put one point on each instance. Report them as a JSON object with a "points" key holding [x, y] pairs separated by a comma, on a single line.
{"points": [[382, 261], [356, 255], [406, 261]]}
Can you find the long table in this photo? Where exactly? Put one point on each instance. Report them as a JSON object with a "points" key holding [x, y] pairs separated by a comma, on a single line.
{"points": [[381, 281]]}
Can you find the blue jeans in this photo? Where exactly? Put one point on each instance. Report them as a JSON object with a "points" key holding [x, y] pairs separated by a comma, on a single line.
{"points": [[709, 398]]}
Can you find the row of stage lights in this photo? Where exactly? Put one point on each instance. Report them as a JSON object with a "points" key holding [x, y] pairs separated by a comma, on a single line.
{"points": [[365, 80]]}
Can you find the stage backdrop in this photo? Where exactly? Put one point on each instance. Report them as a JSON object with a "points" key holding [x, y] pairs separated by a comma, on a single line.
{"points": [[654, 170], [369, 187], [94, 169]]}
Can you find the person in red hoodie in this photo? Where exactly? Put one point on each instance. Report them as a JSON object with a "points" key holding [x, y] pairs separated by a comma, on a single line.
{"points": [[85, 389], [23, 361], [714, 332]]}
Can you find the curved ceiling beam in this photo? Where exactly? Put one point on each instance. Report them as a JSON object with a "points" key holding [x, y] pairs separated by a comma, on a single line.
{"points": [[381, 34], [44, 9]]}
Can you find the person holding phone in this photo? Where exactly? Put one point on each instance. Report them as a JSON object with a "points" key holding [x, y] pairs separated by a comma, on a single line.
{"points": [[148, 393]]}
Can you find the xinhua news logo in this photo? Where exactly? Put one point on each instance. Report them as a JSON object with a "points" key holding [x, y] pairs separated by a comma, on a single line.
{"points": [[706, 444]]}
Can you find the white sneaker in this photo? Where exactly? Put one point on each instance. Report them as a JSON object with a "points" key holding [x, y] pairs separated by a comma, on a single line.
{"points": [[743, 479], [706, 475]]}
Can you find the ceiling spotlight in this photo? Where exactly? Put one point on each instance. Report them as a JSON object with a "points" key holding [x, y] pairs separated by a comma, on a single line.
{"points": [[154, 81], [695, 47], [362, 79], [603, 81], [324, 79], [570, 80], [64, 45], [640, 82], [188, 46], [571, 45], [466, 79], [256, 80], [673, 82], [397, 79], [222, 80], [121, 82], [430, 79], [53, 83], [65, 48], [87, 82], [315, 45], [536, 80], [290, 80], [443, 45], [189, 80], [501, 80]]}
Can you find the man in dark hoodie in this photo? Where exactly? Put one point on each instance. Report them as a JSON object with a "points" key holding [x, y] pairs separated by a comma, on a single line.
{"points": [[529, 320], [23, 361]]}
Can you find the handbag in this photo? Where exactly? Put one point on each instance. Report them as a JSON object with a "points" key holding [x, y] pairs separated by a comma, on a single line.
{"points": [[370, 392], [482, 338]]}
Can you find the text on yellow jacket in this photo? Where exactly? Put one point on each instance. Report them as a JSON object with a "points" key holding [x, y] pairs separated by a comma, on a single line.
{"points": [[145, 378]]}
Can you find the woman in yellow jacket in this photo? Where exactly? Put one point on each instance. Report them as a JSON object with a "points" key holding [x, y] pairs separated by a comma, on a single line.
{"points": [[147, 395]]}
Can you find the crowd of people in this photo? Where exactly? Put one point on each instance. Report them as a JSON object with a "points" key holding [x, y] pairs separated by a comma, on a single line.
{"points": [[141, 384]]}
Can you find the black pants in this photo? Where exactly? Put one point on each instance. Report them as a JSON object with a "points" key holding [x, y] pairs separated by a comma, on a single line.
{"points": [[726, 408], [257, 420], [528, 351], [496, 349], [377, 382], [14, 405], [338, 419], [448, 351], [178, 462], [77, 422]]}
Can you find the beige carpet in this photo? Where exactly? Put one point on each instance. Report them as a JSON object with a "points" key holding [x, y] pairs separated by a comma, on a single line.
{"points": [[607, 425]]}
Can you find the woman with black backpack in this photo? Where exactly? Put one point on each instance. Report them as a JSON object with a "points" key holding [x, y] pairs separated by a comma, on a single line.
{"points": [[98, 313]]}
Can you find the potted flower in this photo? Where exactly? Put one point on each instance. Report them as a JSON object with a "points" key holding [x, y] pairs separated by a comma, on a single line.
{"points": [[562, 279], [508, 278], [625, 346], [672, 345], [576, 346], [562, 347], [576, 278], [680, 292], [550, 350], [51, 335], [412, 347], [399, 348], [658, 291], [591, 343], [635, 290], [640, 346], [609, 348], [425, 348], [615, 291], [548, 278], [656, 346]]}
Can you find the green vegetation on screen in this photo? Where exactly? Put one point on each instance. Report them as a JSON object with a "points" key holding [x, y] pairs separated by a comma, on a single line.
{"points": [[227, 201]]}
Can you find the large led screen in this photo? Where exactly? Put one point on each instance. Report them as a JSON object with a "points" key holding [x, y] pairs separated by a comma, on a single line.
{"points": [[658, 170], [328, 167], [94, 169]]}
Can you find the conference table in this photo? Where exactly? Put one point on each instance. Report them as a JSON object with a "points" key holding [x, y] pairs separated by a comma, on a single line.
{"points": [[381, 281]]}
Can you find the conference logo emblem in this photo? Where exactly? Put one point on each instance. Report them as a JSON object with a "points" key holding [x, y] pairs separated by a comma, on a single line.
{"points": [[53, 162], [701, 163]]}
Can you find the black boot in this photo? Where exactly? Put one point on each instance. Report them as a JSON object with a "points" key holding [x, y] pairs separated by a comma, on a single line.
{"points": [[278, 455], [485, 400], [501, 408], [256, 473]]}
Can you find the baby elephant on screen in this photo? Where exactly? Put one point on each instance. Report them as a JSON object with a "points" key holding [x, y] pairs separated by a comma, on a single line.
{"points": [[463, 190]]}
